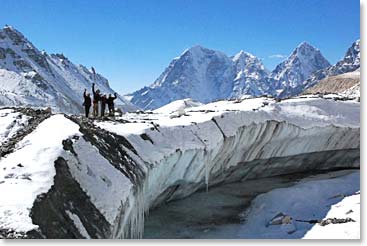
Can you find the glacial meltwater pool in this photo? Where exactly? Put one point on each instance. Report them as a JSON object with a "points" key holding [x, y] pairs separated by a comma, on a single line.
{"points": [[223, 211]]}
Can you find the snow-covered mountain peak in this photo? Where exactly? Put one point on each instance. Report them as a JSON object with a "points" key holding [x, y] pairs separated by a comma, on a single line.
{"points": [[251, 76], [305, 46], [353, 54], [248, 66], [243, 55], [16, 37], [305, 51], [292, 72], [199, 52], [195, 50]]}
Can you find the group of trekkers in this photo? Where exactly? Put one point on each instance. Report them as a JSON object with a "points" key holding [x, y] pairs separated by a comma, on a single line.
{"points": [[99, 101]]}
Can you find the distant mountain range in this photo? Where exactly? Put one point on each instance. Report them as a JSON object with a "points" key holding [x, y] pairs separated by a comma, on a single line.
{"points": [[30, 77], [206, 75]]}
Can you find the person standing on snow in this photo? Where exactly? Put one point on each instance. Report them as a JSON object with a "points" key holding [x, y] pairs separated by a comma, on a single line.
{"points": [[87, 102], [103, 105], [111, 104], [96, 99]]}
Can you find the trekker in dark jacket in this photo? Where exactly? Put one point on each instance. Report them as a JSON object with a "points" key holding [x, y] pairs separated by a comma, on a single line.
{"points": [[87, 102], [111, 104], [103, 104], [96, 99]]}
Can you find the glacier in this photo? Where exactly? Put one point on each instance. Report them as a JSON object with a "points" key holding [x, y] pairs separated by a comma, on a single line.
{"points": [[99, 179]]}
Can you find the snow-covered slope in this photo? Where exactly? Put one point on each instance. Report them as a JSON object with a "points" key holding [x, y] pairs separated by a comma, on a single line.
{"points": [[96, 178], [349, 63], [288, 75], [178, 106], [206, 75], [349, 207], [30, 77]]}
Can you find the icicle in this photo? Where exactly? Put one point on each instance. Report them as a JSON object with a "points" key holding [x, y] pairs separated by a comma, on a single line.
{"points": [[131, 224], [207, 162], [135, 226]]}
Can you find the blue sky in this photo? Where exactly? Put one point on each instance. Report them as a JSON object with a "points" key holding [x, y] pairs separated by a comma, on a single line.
{"points": [[132, 41]]}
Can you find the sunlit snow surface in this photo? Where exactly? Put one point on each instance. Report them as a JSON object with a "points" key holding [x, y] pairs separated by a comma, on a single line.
{"points": [[29, 171], [348, 207], [304, 201], [305, 112]]}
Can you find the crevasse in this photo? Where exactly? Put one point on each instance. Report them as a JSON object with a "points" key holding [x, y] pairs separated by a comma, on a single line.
{"points": [[257, 150]]}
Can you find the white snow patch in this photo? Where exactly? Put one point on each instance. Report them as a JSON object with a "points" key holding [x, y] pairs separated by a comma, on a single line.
{"points": [[78, 224], [107, 187], [178, 105], [308, 200], [29, 171], [310, 112], [349, 207]]}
